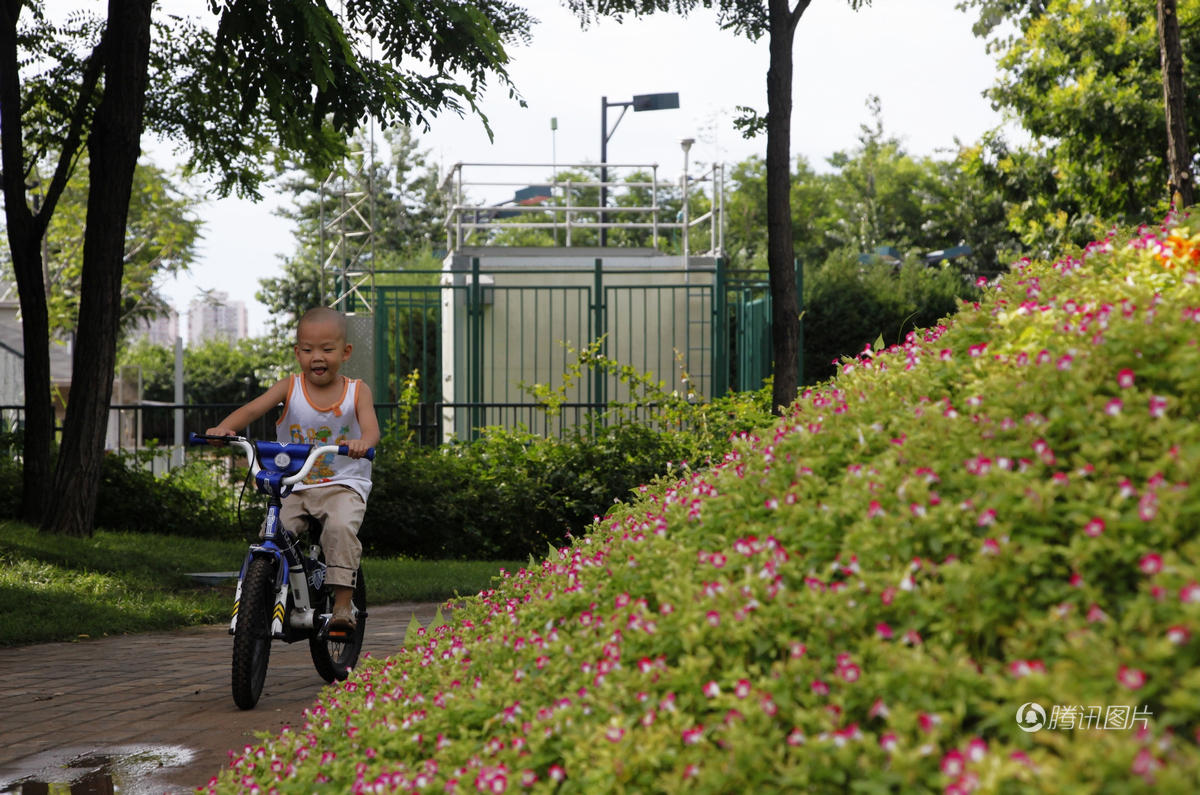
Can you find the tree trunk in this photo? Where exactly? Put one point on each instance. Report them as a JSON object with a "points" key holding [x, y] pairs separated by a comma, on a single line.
{"points": [[781, 250], [24, 235], [1179, 159], [113, 147]]}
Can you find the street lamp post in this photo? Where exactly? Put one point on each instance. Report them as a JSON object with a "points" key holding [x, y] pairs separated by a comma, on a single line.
{"points": [[639, 103], [686, 145]]}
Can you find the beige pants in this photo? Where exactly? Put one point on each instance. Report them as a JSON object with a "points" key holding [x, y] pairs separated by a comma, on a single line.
{"points": [[340, 511]]}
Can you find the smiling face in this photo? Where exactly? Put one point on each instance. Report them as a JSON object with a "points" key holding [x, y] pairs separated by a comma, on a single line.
{"points": [[321, 349]]}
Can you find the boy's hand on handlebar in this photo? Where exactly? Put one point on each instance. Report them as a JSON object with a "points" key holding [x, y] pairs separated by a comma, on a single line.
{"points": [[219, 430], [356, 448]]}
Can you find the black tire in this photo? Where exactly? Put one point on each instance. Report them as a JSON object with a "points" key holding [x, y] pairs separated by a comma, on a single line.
{"points": [[252, 636], [334, 658]]}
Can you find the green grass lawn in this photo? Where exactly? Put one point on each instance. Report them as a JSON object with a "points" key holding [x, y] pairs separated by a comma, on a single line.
{"points": [[56, 588]]}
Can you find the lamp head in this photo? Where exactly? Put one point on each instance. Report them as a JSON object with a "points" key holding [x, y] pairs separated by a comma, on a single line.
{"points": [[686, 143]]}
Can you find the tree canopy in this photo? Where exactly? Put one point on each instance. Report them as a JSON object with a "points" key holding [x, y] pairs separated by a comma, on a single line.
{"points": [[293, 75]]}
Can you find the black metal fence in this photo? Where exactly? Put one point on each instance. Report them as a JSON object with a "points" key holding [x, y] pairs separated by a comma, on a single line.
{"points": [[145, 425]]}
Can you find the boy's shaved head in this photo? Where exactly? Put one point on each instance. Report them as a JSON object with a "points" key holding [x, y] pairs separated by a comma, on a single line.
{"points": [[323, 314]]}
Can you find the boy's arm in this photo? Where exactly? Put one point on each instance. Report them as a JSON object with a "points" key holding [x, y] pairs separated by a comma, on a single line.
{"points": [[242, 417], [364, 409]]}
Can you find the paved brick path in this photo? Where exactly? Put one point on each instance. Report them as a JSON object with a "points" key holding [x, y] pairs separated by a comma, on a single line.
{"points": [[152, 710]]}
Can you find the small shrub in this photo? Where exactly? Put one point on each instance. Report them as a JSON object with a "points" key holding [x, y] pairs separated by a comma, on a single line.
{"points": [[189, 500]]}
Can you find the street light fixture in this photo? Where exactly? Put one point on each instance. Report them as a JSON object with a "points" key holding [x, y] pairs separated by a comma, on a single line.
{"points": [[640, 102]]}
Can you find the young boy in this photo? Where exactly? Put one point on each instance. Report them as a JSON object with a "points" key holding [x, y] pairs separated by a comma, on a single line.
{"points": [[323, 407]]}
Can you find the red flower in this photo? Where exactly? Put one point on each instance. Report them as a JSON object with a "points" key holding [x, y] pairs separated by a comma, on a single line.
{"points": [[1133, 678]]}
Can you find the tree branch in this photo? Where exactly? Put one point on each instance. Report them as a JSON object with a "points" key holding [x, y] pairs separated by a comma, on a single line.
{"points": [[798, 11], [71, 143]]}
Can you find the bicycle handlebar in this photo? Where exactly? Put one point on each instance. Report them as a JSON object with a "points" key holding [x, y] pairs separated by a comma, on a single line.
{"points": [[247, 447]]}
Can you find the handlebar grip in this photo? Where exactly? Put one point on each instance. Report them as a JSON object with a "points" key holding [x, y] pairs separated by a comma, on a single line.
{"points": [[203, 438], [344, 450]]}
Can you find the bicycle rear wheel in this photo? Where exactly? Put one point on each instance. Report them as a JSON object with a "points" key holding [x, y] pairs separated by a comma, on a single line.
{"points": [[252, 636], [334, 657]]}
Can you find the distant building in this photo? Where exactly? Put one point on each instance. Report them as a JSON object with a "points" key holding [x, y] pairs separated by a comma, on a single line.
{"points": [[160, 331], [216, 317], [12, 362]]}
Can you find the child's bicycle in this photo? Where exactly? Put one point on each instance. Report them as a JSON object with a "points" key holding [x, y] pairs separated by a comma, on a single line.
{"points": [[281, 592]]}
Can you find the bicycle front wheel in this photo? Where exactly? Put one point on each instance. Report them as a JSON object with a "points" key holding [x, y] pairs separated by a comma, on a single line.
{"points": [[334, 657], [252, 636]]}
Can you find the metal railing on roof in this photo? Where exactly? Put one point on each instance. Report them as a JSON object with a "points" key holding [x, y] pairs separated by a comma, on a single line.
{"points": [[554, 204]]}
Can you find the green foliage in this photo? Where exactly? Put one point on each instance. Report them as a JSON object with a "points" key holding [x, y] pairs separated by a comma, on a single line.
{"points": [[1084, 81], [1001, 510], [848, 305], [510, 492], [214, 371], [161, 238], [190, 500]]}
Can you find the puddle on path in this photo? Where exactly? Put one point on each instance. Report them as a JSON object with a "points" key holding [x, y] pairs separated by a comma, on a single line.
{"points": [[127, 769]]}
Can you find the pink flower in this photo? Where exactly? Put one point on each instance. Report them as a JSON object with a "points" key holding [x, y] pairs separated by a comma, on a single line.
{"points": [[1158, 406], [1125, 378], [888, 741], [713, 617], [614, 734], [986, 518], [977, 749], [1178, 634], [795, 738], [820, 688], [1095, 614], [883, 631], [1064, 361], [978, 349], [953, 763], [1113, 407], [1133, 678], [557, 773], [742, 688], [1190, 593], [1144, 765], [693, 735], [1022, 668], [888, 595], [712, 689], [1094, 527], [929, 721], [849, 672], [878, 709], [1151, 563], [1022, 758], [990, 547]]}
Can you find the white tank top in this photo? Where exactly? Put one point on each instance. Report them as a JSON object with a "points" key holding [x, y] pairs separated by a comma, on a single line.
{"points": [[336, 424]]}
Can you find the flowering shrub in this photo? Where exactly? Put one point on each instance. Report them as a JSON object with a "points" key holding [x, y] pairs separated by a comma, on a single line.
{"points": [[986, 530]]}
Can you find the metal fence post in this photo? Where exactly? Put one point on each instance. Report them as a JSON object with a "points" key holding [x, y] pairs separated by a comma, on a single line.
{"points": [[720, 344], [598, 320], [799, 311], [475, 345]]}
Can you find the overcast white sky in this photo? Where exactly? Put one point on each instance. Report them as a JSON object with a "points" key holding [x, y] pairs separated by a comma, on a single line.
{"points": [[918, 56]]}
